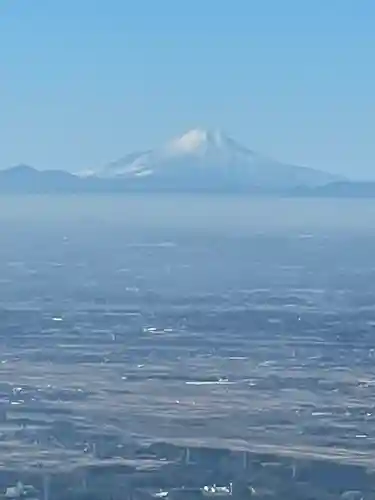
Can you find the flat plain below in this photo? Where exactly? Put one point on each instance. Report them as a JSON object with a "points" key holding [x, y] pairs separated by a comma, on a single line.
{"points": [[229, 322]]}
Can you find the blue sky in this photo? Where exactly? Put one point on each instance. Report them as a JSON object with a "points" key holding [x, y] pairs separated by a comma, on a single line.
{"points": [[83, 82]]}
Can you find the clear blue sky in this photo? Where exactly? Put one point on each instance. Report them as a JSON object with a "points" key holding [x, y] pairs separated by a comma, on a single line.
{"points": [[83, 82]]}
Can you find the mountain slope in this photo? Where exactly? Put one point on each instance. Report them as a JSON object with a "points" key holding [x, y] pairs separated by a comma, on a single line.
{"points": [[200, 160]]}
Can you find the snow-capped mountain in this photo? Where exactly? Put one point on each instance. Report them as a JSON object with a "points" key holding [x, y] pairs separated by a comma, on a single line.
{"points": [[202, 159]]}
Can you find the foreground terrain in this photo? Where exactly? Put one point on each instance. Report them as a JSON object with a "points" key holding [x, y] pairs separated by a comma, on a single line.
{"points": [[199, 348]]}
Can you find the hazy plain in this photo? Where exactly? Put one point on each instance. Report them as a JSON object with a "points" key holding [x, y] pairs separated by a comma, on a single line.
{"points": [[230, 321]]}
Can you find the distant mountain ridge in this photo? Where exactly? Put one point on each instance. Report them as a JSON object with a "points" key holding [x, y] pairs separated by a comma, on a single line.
{"points": [[199, 161], [23, 179]]}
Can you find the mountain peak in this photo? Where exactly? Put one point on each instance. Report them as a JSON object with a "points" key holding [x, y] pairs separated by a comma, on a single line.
{"points": [[22, 168], [196, 139], [209, 159]]}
